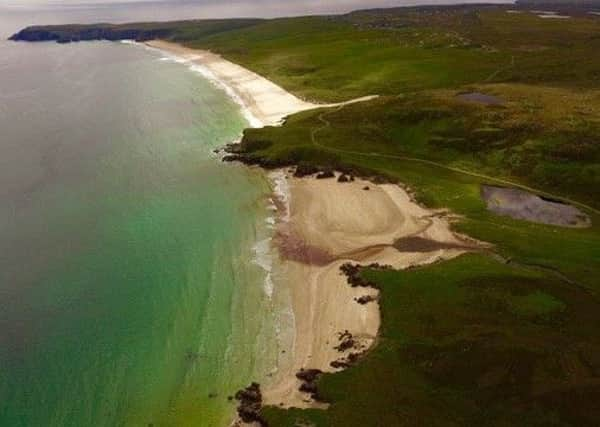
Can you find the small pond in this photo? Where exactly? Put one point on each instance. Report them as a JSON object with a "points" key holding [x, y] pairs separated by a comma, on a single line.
{"points": [[521, 204]]}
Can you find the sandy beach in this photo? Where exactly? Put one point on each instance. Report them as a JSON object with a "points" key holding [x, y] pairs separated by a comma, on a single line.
{"points": [[266, 103], [325, 224]]}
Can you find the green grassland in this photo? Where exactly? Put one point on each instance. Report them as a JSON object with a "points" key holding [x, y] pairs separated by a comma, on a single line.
{"points": [[482, 340], [542, 137], [398, 50], [469, 342], [506, 338]]}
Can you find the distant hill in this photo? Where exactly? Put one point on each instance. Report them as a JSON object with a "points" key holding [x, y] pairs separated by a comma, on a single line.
{"points": [[184, 30], [560, 3]]}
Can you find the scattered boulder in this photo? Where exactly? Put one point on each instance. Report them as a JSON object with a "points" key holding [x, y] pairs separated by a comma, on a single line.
{"points": [[233, 158], [366, 188], [339, 364], [346, 343], [305, 169], [233, 148], [353, 357], [344, 363], [352, 273], [309, 379], [310, 388], [308, 375], [343, 178], [365, 299], [325, 174]]}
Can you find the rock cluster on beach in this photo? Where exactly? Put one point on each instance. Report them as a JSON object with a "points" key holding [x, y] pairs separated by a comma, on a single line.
{"points": [[309, 379], [250, 405], [352, 273]]}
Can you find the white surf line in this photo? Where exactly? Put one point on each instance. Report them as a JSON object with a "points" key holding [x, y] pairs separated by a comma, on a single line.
{"points": [[190, 61]]}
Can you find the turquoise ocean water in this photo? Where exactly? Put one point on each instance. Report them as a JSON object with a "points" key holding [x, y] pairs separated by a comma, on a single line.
{"points": [[133, 282]]}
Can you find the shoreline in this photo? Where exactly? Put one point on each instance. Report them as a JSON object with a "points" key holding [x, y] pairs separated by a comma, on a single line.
{"points": [[263, 103], [320, 225]]}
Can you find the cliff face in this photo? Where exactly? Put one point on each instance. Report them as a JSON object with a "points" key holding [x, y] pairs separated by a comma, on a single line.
{"points": [[74, 34], [176, 30]]}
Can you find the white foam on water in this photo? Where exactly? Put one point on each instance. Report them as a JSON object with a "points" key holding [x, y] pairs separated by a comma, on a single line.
{"points": [[272, 206], [188, 60], [554, 16], [281, 189], [252, 120], [263, 257]]}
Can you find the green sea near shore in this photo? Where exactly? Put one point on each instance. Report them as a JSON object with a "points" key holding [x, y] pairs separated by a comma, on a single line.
{"points": [[132, 290]]}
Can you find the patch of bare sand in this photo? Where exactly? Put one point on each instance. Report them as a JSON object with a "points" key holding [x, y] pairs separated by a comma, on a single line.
{"points": [[339, 223]]}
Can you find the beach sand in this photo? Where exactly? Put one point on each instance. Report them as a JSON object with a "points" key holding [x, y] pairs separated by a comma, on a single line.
{"points": [[328, 224], [267, 103]]}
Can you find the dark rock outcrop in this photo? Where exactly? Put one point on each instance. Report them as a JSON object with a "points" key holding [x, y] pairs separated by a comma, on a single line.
{"points": [[352, 273], [325, 174], [139, 31], [347, 342], [309, 379], [68, 34], [305, 169], [365, 299], [250, 405], [339, 364], [346, 362]]}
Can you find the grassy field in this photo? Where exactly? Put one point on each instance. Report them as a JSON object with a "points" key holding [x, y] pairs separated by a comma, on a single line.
{"points": [[398, 50], [470, 342], [473, 341], [542, 137], [503, 339]]}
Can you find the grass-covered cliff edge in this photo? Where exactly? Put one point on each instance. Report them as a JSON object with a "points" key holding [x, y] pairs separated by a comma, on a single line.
{"points": [[476, 341]]}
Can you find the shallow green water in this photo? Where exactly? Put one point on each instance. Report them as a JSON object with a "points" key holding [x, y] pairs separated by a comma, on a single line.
{"points": [[127, 291]]}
